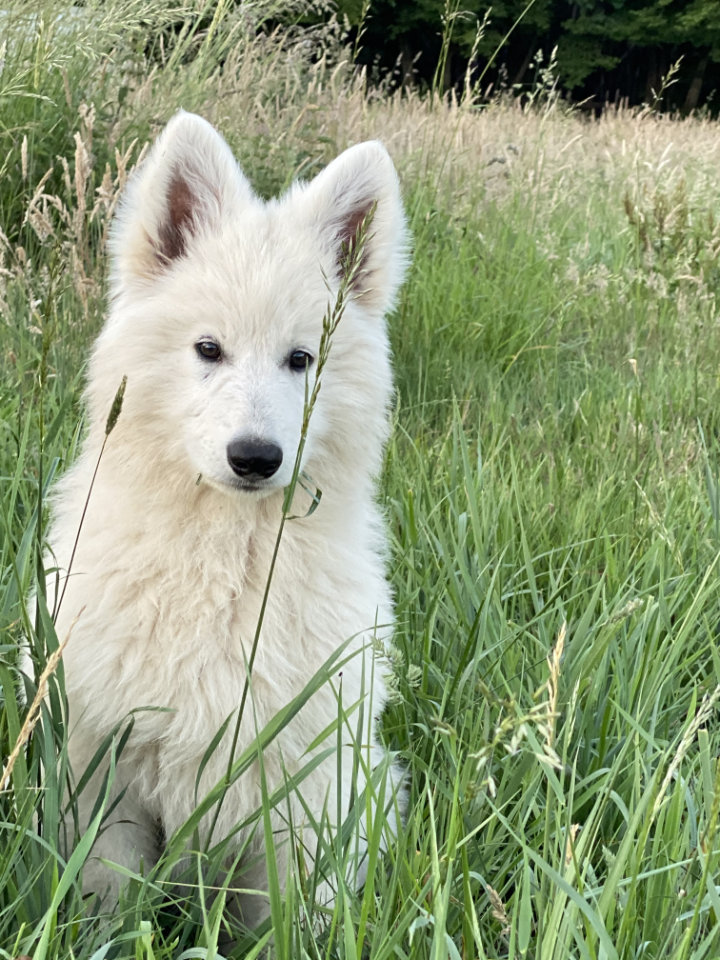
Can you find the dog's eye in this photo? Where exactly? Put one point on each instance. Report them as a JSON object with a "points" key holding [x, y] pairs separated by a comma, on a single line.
{"points": [[300, 360], [209, 350]]}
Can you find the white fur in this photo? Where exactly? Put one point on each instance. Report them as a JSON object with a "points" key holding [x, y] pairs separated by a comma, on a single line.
{"points": [[173, 558]]}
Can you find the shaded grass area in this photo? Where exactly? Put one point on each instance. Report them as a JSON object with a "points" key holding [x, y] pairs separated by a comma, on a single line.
{"points": [[552, 498]]}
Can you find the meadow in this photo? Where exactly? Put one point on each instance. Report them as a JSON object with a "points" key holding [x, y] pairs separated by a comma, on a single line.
{"points": [[552, 490]]}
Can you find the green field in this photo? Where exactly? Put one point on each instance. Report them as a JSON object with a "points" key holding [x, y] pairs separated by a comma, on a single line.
{"points": [[552, 489]]}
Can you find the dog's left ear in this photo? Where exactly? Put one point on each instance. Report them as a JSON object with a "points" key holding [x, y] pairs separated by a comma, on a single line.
{"points": [[360, 188]]}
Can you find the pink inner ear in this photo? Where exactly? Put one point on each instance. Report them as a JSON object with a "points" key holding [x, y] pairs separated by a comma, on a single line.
{"points": [[348, 232], [179, 221]]}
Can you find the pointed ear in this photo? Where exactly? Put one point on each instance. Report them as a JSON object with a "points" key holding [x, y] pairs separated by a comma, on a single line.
{"points": [[187, 184], [361, 183]]}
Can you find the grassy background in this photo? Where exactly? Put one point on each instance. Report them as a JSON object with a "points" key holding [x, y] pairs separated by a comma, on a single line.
{"points": [[552, 487]]}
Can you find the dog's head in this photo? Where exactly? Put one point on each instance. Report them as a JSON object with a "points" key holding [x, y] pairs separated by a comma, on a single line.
{"points": [[218, 302]]}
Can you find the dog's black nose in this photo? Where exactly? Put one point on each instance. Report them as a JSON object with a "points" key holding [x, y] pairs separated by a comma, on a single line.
{"points": [[254, 459]]}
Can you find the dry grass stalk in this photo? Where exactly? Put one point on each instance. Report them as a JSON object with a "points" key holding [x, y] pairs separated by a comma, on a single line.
{"points": [[68, 218], [570, 844], [24, 158], [704, 713], [552, 684], [33, 714], [498, 909]]}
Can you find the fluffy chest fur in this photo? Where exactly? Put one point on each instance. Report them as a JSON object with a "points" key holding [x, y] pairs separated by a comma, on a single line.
{"points": [[171, 630]]}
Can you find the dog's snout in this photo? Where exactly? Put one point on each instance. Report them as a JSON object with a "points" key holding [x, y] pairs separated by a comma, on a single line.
{"points": [[254, 459]]}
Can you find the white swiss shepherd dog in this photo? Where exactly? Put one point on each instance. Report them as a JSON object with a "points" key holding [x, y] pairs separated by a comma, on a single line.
{"points": [[216, 316]]}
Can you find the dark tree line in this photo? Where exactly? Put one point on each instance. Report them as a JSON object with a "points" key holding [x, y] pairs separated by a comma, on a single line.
{"points": [[605, 51]]}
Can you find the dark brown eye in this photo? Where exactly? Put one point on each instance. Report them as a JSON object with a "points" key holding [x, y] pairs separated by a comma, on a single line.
{"points": [[208, 350], [300, 360]]}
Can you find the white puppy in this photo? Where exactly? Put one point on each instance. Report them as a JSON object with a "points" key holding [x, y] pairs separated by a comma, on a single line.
{"points": [[216, 317]]}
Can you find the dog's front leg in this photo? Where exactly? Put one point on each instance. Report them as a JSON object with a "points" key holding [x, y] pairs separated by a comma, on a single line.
{"points": [[128, 834]]}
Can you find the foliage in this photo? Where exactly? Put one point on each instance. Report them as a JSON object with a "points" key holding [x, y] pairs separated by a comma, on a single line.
{"points": [[601, 34], [604, 50]]}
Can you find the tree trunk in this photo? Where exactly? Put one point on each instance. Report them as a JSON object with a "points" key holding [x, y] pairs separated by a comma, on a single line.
{"points": [[652, 77], [525, 64], [693, 94], [407, 64]]}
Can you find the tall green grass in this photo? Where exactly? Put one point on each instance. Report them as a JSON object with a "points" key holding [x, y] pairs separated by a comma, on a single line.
{"points": [[551, 491]]}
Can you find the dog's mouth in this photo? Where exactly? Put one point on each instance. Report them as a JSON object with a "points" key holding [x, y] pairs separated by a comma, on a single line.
{"points": [[261, 487], [237, 485], [248, 486]]}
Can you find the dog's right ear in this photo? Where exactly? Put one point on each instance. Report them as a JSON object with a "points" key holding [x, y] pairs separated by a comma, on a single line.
{"points": [[187, 184]]}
